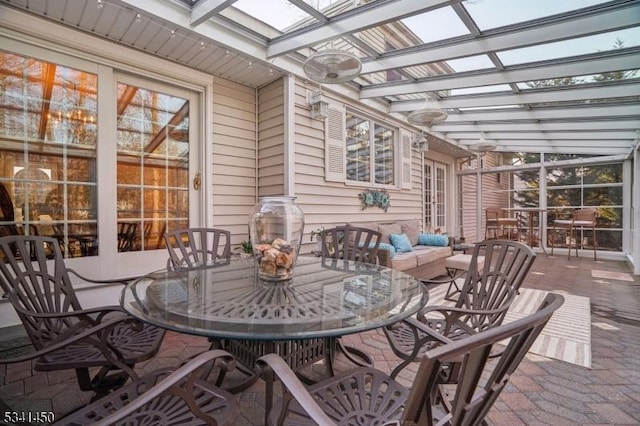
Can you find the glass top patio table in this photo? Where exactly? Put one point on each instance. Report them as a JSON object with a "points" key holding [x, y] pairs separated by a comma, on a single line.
{"points": [[325, 298]]}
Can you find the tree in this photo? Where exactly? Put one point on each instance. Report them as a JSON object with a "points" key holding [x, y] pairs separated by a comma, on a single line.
{"points": [[578, 186]]}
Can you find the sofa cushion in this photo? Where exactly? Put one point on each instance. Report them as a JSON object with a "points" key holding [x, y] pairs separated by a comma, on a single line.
{"points": [[437, 240], [404, 261], [387, 229], [382, 246], [400, 242], [427, 254], [412, 229], [390, 248]]}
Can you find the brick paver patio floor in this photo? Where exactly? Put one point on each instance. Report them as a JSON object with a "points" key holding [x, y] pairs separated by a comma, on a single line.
{"points": [[543, 391]]}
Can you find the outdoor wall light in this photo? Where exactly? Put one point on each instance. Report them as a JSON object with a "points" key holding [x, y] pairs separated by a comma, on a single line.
{"points": [[319, 107], [420, 143]]}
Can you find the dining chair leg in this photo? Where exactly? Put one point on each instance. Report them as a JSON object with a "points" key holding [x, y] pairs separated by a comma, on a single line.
{"points": [[595, 256], [570, 241]]}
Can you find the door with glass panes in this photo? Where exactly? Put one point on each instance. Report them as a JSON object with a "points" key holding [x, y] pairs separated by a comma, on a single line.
{"points": [[157, 178], [435, 184]]}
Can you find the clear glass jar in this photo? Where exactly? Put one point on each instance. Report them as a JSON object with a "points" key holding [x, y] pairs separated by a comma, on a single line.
{"points": [[275, 227]]}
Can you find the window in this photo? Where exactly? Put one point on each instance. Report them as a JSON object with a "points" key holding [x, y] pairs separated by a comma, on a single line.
{"points": [[48, 130], [102, 168], [370, 151]]}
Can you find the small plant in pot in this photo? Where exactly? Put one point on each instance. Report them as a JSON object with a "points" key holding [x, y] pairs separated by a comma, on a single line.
{"points": [[245, 249]]}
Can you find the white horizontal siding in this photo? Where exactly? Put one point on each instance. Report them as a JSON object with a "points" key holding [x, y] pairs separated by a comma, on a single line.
{"points": [[271, 139], [234, 157]]}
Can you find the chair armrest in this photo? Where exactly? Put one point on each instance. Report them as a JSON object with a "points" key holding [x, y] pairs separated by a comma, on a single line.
{"points": [[189, 369], [95, 336], [429, 332], [469, 320], [123, 281], [272, 363], [81, 314]]}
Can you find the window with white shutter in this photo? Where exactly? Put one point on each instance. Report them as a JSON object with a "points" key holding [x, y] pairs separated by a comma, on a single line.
{"points": [[361, 150]]}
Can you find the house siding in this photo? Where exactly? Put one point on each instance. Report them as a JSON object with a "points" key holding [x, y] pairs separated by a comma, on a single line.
{"points": [[271, 171], [233, 160]]}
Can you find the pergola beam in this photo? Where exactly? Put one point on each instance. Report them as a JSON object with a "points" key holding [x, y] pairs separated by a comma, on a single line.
{"points": [[620, 59], [532, 96], [596, 125], [206, 9], [351, 22], [582, 137], [569, 25], [536, 146], [554, 114]]}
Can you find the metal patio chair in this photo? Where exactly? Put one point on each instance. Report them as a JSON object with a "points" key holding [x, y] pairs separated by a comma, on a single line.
{"points": [[351, 243], [196, 247], [43, 296], [368, 396], [498, 222], [164, 396], [482, 302], [580, 220]]}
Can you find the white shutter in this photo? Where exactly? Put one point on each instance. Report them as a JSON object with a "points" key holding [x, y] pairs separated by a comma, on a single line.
{"points": [[405, 151], [334, 143]]}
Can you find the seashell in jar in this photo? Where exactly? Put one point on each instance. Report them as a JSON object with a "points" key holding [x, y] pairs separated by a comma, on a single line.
{"points": [[272, 254], [279, 243], [262, 247], [267, 267], [284, 260]]}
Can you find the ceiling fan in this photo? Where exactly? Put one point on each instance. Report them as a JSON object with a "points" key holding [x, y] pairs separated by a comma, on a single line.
{"points": [[427, 115], [332, 66]]}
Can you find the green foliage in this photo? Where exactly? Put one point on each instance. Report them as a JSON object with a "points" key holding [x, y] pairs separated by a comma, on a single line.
{"points": [[576, 187], [246, 247]]}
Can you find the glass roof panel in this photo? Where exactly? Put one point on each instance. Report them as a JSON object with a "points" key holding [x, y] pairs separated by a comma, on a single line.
{"points": [[581, 79], [510, 12], [332, 8], [341, 44], [471, 63], [578, 46], [281, 14], [428, 26]]}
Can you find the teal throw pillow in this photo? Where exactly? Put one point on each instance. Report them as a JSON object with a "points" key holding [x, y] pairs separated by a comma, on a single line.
{"points": [[436, 240], [382, 246], [401, 243]]}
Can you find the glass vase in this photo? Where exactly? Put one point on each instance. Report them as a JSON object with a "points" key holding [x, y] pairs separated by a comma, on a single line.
{"points": [[275, 227]]}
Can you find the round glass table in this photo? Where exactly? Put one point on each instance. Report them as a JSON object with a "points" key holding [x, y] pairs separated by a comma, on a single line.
{"points": [[300, 319], [325, 297]]}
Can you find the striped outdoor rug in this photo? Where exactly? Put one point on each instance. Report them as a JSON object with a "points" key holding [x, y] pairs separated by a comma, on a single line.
{"points": [[567, 335]]}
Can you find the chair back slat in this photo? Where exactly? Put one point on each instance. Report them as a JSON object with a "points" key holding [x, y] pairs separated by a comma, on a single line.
{"points": [[506, 264], [196, 247], [483, 374], [351, 243], [37, 286]]}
